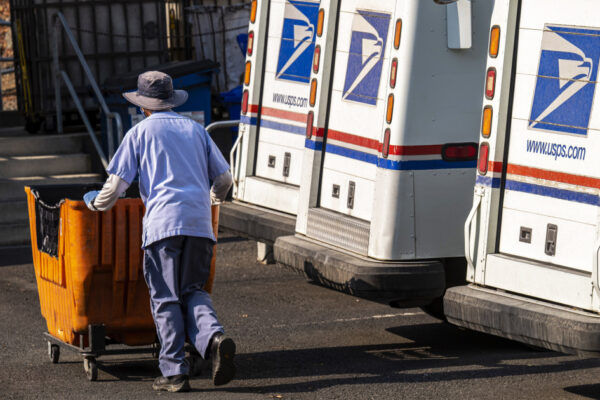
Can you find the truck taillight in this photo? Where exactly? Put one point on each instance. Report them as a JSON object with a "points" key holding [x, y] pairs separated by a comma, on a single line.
{"points": [[385, 148], [316, 59], [398, 34], [459, 152], [490, 83], [494, 41], [253, 11], [309, 124], [393, 73], [250, 42], [247, 71], [486, 121], [320, 22], [484, 155], [245, 102], [390, 109], [313, 92]]}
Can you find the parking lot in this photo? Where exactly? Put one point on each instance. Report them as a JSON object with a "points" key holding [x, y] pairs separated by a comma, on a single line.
{"points": [[296, 340]]}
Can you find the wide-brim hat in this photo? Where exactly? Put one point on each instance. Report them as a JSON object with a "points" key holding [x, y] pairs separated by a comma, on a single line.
{"points": [[155, 92]]}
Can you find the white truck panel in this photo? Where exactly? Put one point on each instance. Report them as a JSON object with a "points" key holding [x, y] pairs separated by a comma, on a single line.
{"points": [[442, 210], [536, 13], [271, 194], [539, 280], [275, 170], [571, 235], [363, 190], [527, 138], [574, 212], [392, 235]]}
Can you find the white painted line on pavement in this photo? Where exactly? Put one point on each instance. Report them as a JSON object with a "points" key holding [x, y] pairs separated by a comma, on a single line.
{"points": [[333, 321]]}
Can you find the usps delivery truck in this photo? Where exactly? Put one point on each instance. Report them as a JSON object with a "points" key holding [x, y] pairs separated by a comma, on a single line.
{"points": [[532, 236], [267, 157], [390, 150]]}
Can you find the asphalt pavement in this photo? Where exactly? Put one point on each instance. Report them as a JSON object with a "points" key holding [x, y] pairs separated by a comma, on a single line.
{"points": [[296, 340]]}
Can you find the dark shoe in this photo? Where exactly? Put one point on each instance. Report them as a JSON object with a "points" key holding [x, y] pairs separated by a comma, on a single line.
{"points": [[197, 365], [175, 383], [222, 351]]}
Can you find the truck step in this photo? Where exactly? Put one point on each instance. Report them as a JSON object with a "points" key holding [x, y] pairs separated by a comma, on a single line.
{"points": [[31, 145]]}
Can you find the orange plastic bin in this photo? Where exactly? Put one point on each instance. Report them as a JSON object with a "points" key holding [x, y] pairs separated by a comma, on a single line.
{"points": [[88, 267]]}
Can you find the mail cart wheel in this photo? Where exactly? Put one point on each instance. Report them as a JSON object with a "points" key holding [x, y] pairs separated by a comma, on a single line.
{"points": [[91, 369], [53, 352]]}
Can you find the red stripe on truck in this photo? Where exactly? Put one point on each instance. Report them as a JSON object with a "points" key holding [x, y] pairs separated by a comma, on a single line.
{"points": [[553, 176]]}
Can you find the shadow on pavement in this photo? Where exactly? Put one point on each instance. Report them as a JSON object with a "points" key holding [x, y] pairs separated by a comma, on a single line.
{"points": [[436, 352], [589, 391]]}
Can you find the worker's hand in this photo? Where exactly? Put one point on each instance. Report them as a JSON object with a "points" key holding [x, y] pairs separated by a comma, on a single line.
{"points": [[89, 198]]}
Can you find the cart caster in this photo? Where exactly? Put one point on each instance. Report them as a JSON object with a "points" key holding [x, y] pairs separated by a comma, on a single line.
{"points": [[90, 367], [53, 352]]}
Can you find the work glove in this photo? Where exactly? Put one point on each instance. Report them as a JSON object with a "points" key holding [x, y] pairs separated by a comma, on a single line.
{"points": [[89, 198], [214, 200]]}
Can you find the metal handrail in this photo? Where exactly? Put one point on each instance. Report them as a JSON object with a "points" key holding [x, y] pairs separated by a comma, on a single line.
{"points": [[234, 166], [595, 266], [467, 228], [58, 20]]}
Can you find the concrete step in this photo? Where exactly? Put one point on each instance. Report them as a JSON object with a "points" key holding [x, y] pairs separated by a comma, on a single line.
{"points": [[14, 234], [17, 166], [13, 188], [31, 145], [11, 118], [7, 131], [13, 211]]}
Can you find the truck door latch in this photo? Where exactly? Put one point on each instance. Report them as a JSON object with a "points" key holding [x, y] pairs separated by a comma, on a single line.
{"points": [[286, 164], [551, 234], [351, 188]]}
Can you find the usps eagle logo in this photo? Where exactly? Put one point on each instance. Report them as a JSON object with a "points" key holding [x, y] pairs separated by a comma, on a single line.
{"points": [[365, 61], [566, 79], [297, 40]]}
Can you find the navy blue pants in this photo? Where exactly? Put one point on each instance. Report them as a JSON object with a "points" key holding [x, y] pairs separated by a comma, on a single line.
{"points": [[176, 270]]}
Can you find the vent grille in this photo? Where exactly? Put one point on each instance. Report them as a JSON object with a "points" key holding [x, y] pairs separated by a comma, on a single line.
{"points": [[339, 230]]}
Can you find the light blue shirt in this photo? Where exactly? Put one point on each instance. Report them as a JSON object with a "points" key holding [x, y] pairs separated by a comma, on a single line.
{"points": [[176, 161]]}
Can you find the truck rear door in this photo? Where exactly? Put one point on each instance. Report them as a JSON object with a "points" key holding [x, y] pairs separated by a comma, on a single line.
{"points": [[357, 108], [284, 102], [550, 206]]}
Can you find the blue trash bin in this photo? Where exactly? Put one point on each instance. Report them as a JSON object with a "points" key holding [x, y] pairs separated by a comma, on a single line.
{"points": [[232, 101], [193, 76]]}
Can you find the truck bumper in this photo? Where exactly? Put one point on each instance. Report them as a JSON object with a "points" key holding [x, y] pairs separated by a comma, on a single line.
{"points": [[522, 319], [256, 223], [406, 284]]}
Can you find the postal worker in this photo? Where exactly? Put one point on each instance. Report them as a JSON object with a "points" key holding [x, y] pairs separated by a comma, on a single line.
{"points": [[176, 160]]}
